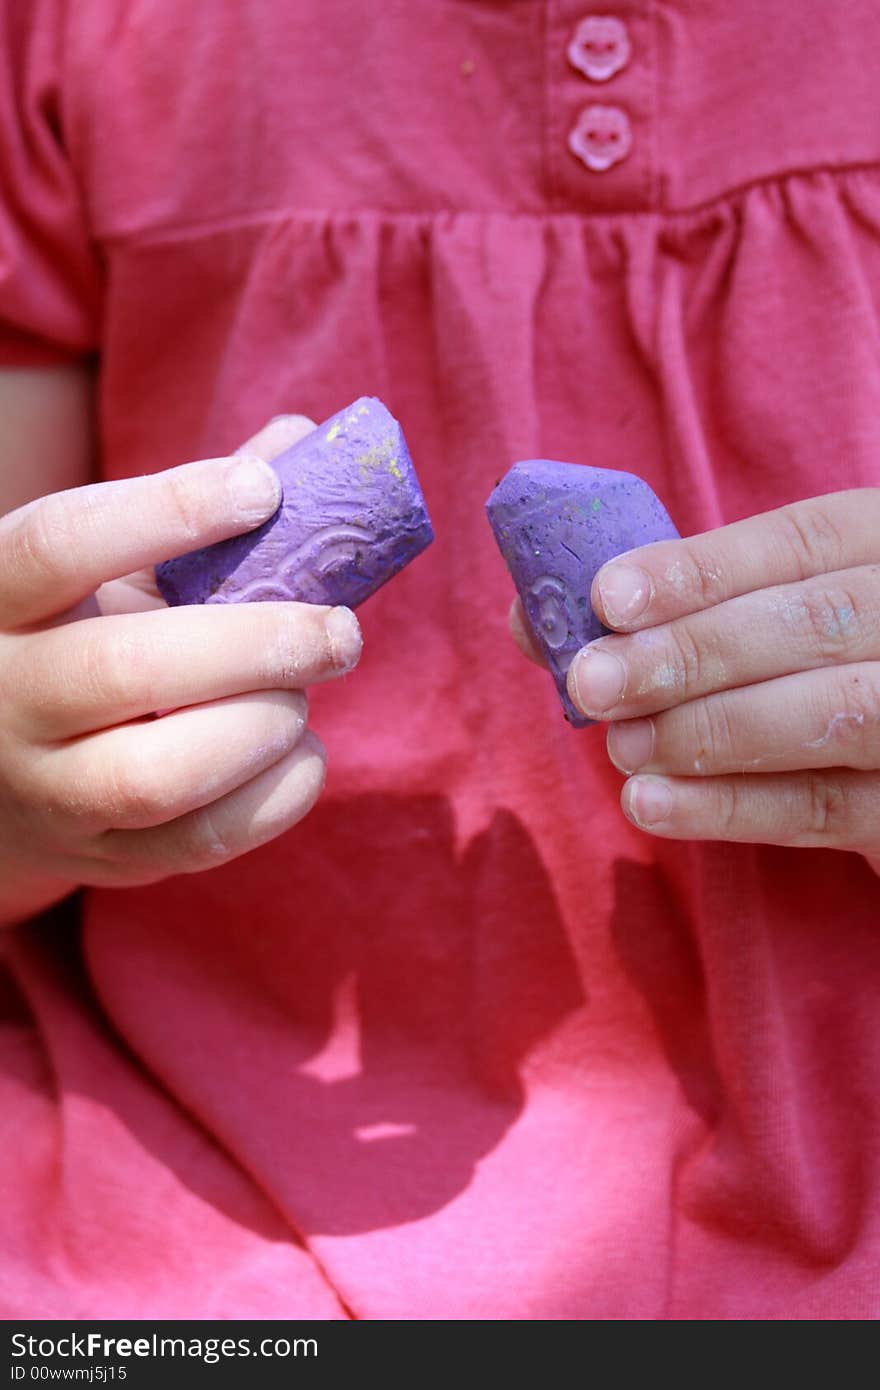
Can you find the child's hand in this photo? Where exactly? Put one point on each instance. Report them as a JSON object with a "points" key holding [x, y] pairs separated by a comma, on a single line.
{"points": [[756, 649], [93, 788]]}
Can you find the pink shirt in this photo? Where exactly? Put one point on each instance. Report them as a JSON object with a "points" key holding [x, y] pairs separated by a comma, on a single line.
{"points": [[464, 1044]]}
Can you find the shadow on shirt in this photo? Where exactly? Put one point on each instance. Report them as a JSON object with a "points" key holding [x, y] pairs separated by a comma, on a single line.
{"points": [[347, 1010]]}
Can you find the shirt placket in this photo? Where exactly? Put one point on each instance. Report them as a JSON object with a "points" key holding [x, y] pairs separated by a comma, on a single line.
{"points": [[601, 105]]}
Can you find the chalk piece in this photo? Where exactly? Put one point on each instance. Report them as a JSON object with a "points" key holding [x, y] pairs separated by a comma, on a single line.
{"points": [[556, 524], [352, 515]]}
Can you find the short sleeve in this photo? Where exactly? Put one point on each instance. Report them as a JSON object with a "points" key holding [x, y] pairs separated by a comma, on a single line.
{"points": [[50, 279]]}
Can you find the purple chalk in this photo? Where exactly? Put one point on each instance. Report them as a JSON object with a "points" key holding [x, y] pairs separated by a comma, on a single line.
{"points": [[352, 515], [556, 524]]}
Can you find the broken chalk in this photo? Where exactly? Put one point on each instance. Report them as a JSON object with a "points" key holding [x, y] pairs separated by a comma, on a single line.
{"points": [[556, 524], [352, 515]]}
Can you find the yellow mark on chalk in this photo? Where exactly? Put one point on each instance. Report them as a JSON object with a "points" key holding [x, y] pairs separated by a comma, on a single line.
{"points": [[381, 455], [362, 410], [333, 432]]}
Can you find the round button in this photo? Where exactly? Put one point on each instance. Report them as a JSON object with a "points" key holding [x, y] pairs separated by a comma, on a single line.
{"points": [[600, 47], [601, 137]]}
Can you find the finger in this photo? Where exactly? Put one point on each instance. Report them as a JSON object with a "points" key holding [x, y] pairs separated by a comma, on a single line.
{"points": [[56, 551], [279, 434], [140, 775], [254, 814], [832, 809], [810, 720], [776, 631], [104, 671], [655, 583], [137, 591], [521, 634]]}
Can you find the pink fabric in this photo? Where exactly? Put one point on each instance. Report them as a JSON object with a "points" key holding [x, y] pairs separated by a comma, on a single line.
{"points": [[465, 1044]]}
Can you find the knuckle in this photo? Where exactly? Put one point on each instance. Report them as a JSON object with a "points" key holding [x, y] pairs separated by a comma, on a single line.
{"points": [[699, 575], [861, 715], [207, 842], [106, 661], [858, 699], [290, 655], [829, 617], [811, 538], [298, 647], [687, 659], [847, 720], [712, 730], [139, 792], [729, 808], [826, 806], [41, 544], [709, 583], [185, 504]]}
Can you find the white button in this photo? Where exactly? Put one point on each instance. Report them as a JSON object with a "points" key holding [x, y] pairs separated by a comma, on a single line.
{"points": [[600, 47], [601, 137]]}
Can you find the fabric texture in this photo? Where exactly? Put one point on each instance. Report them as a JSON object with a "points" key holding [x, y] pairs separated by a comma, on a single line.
{"points": [[465, 1043]]}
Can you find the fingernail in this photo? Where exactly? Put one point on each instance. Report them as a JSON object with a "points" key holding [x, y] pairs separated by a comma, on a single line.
{"points": [[624, 591], [596, 680], [631, 744], [255, 487], [649, 801], [346, 642]]}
